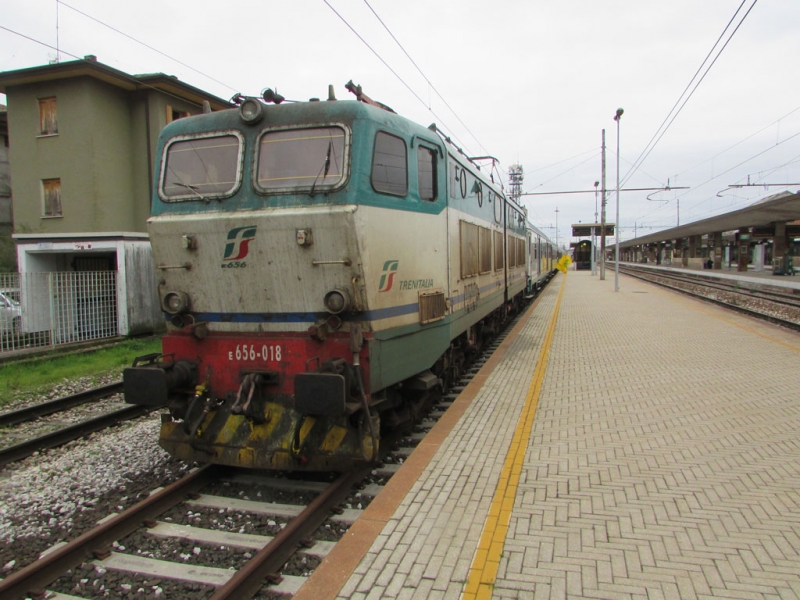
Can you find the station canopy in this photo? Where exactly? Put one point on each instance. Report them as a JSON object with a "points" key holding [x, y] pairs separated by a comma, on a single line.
{"points": [[783, 207]]}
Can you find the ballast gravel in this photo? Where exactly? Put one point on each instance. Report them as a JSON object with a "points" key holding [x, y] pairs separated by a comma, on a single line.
{"points": [[57, 495], [763, 306]]}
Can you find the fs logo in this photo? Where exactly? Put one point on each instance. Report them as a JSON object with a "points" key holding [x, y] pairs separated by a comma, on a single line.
{"points": [[238, 245], [387, 279]]}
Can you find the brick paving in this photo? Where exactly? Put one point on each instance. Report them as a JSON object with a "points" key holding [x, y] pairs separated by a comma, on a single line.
{"points": [[664, 461]]}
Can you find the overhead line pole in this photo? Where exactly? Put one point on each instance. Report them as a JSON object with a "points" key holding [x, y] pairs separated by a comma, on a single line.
{"points": [[603, 214], [594, 232]]}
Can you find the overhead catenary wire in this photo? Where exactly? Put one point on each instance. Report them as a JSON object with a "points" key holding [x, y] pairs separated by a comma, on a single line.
{"points": [[118, 31], [593, 151], [594, 156], [768, 172], [681, 102], [397, 75], [156, 50], [386, 64], [126, 76], [709, 180], [694, 188], [425, 77], [132, 38], [736, 166], [742, 141]]}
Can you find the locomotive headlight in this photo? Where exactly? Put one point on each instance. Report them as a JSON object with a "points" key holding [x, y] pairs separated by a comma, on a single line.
{"points": [[337, 301], [175, 303], [251, 111]]}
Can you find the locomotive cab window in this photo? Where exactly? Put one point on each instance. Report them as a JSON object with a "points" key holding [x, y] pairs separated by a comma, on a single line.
{"points": [[390, 165], [426, 171], [292, 160], [201, 168]]}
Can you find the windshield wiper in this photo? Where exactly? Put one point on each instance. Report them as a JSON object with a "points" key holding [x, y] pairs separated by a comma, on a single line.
{"points": [[194, 190], [324, 170]]}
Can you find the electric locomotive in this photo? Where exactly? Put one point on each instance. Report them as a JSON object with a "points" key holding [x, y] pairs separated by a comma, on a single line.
{"points": [[323, 267]]}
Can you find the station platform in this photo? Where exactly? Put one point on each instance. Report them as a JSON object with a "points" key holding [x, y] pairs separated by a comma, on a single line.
{"points": [[630, 444], [763, 277]]}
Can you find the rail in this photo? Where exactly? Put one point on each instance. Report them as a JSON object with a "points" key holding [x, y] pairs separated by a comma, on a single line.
{"points": [[53, 406], [67, 434], [33, 579]]}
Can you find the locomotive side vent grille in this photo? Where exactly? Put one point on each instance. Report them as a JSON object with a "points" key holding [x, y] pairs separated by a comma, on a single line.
{"points": [[432, 306]]}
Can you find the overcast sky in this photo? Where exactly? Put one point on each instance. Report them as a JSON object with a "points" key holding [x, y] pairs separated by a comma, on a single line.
{"points": [[530, 82]]}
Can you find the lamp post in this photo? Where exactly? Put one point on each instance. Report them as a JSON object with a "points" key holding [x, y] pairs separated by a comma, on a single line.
{"points": [[556, 229], [617, 118], [594, 232]]}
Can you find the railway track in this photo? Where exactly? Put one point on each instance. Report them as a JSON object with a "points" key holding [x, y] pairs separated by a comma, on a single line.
{"points": [[168, 518], [106, 548], [760, 302], [35, 411], [65, 434], [192, 518]]}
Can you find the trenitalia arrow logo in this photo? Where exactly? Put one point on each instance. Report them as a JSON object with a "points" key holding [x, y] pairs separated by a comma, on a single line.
{"points": [[239, 239], [387, 279]]}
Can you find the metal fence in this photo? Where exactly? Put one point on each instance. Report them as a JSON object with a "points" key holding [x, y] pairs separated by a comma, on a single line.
{"points": [[47, 309]]}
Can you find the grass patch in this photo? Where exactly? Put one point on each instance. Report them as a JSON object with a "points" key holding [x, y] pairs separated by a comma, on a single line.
{"points": [[43, 373]]}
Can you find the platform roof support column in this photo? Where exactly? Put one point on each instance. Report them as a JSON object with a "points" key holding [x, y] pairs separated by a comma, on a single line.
{"points": [[683, 244], [780, 248], [718, 250], [693, 244], [779, 244], [743, 242]]}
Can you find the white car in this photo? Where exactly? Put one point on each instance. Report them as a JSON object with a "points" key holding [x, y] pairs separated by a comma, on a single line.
{"points": [[10, 313]]}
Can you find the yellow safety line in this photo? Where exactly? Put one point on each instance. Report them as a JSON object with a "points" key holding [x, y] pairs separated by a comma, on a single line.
{"points": [[483, 572]]}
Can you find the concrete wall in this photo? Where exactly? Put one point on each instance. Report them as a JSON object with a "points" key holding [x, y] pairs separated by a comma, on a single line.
{"points": [[91, 154], [142, 312], [695, 263], [103, 153], [5, 182], [138, 306], [8, 261], [148, 111]]}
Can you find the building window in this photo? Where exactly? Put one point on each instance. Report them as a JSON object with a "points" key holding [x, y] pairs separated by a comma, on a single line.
{"points": [[48, 120], [174, 114], [51, 190]]}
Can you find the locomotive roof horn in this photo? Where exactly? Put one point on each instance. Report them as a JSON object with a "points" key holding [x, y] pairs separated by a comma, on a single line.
{"points": [[271, 96]]}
